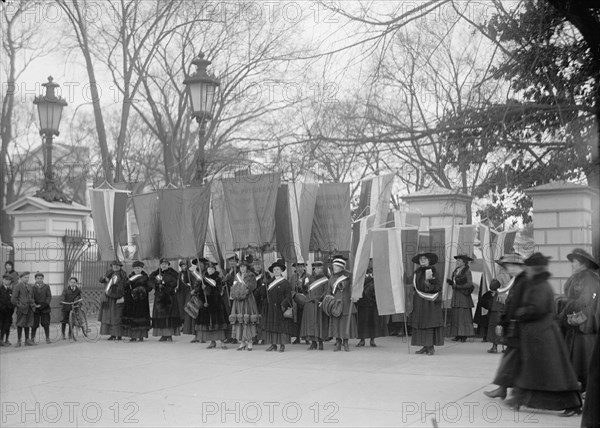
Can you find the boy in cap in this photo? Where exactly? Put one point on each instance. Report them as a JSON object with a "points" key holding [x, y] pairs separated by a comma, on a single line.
{"points": [[6, 309], [22, 299], [70, 294], [42, 296]]}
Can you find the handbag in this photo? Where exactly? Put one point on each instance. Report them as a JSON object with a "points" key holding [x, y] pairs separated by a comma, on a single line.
{"points": [[289, 313], [576, 318]]}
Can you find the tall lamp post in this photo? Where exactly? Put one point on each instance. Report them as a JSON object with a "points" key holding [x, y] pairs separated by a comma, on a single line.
{"points": [[201, 88], [50, 107]]}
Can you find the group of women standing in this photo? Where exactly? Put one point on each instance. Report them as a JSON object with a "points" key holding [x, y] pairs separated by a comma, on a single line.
{"points": [[548, 368]]}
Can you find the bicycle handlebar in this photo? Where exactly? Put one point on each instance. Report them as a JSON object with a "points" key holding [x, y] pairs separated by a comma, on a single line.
{"points": [[72, 303]]}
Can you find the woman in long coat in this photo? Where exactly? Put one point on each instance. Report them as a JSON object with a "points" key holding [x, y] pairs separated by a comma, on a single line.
{"points": [[427, 318], [546, 379], [277, 328], [461, 324], [136, 309], [166, 322], [244, 313], [184, 294], [370, 323], [315, 323], [211, 324], [343, 327], [506, 328], [582, 291], [111, 309]]}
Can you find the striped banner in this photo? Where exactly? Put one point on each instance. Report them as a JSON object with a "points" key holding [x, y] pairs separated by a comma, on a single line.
{"points": [[108, 213], [294, 216], [361, 232], [375, 195], [493, 245], [390, 275]]}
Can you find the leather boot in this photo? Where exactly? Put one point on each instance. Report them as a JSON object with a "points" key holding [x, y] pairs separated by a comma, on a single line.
{"points": [[499, 392]]}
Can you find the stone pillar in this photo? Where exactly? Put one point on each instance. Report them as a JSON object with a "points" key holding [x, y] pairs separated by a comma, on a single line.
{"points": [[38, 239], [439, 206], [562, 221]]}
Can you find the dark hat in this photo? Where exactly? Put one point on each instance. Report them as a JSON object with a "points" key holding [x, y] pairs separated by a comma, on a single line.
{"points": [[582, 255], [164, 260], [7, 276], [339, 260], [116, 262], [537, 259], [279, 263], [495, 284], [433, 258], [38, 274], [199, 260], [138, 263], [22, 274], [513, 259], [317, 263], [464, 257]]}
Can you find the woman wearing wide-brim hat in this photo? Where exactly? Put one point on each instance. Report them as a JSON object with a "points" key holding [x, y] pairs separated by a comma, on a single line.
{"points": [[545, 379], [277, 328], [461, 281], [427, 317], [582, 292]]}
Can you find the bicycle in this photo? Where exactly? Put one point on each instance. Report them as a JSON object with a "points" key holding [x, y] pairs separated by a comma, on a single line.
{"points": [[77, 318]]}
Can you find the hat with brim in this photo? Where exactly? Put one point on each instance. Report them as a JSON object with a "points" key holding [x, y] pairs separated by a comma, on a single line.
{"points": [[279, 264], [537, 259], [22, 274], [513, 259], [582, 255], [433, 258], [464, 258], [137, 263], [164, 260], [116, 263]]}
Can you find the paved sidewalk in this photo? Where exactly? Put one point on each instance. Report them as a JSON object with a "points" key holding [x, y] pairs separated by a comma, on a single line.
{"points": [[102, 383]]}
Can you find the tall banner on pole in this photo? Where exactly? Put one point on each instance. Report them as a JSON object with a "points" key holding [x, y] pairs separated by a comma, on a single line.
{"points": [[250, 203], [109, 215], [362, 230], [332, 223]]}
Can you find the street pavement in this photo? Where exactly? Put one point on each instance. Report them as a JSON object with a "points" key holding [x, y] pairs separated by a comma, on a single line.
{"points": [[100, 383]]}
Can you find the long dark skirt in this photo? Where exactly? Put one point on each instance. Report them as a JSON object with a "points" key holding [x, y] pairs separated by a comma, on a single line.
{"points": [[427, 336], [580, 347], [547, 400], [370, 324], [461, 323], [509, 368]]}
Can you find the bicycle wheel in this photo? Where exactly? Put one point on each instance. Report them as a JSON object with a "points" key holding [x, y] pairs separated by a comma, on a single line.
{"points": [[73, 324], [82, 319]]}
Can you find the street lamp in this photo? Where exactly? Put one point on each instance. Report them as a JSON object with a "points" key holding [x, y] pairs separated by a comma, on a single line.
{"points": [[201, 90], [50, 107]]}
